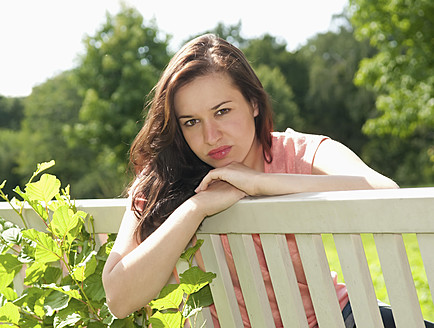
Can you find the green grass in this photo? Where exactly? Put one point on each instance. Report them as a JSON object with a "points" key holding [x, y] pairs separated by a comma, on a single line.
{"points": [[415, 261]]}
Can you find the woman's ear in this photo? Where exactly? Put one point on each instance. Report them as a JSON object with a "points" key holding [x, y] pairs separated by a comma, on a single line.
{"points": [[255, 107]]}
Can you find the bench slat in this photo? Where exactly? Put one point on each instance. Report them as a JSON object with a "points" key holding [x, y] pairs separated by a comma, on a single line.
{"points": [[399, 281], [221, 287], [320, 282], [426, 246], [358, 280], [251, 280], [284, 280]]}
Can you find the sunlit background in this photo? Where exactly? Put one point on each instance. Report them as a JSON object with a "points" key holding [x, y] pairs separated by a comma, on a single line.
{"points": [[39, 39]]}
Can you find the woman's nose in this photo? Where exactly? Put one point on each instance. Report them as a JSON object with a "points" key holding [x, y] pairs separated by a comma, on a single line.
{"points": [[211, 133]]}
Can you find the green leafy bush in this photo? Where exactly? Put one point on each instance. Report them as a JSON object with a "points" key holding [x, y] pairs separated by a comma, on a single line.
{"points": [[52, 278]]}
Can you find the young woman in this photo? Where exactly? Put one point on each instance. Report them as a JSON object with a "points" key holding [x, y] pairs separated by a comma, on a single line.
{"points": [[207, 142]]}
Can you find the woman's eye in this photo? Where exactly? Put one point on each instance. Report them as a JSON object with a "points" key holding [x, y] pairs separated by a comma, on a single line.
{"points": [[191, 122], [222, 111]]}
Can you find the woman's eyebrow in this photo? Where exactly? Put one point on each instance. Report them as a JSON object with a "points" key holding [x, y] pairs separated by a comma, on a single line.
{"points": [[222, 103], [212, 108]]}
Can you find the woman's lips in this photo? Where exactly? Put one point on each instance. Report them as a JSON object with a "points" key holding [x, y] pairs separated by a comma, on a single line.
{"points": [[220, 152]]}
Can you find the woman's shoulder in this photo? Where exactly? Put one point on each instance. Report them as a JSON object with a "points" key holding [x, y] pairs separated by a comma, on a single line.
{"points": [[292, 137], [293, 151]]}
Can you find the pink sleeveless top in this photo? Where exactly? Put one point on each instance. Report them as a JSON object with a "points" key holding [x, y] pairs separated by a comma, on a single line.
{"points": [[292, 153]]}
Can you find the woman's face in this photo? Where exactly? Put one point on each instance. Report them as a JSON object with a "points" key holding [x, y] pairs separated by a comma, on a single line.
{"points": [[218, 122]]}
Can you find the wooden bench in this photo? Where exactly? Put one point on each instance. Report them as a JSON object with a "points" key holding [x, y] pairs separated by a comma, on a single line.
{"points": [[387, 214]]}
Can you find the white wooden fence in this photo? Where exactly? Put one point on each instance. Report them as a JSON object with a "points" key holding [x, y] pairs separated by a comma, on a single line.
{"points": [[387, 214]]}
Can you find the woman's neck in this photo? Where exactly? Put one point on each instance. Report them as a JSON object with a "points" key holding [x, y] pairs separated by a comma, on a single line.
{"points": [[255, 157]]}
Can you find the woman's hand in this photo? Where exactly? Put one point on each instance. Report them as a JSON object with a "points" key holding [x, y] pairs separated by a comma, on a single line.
{"points": [[216, 197], [236, 174]]}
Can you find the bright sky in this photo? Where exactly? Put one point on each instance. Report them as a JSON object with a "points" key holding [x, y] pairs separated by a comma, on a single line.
{"points": [[40, 39]]}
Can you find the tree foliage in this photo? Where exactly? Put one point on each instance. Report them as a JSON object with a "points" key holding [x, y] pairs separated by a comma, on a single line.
{"points": [[333, 105], [52, 106], [11, 113], [122, 63], [402, 72], [274, 66], [86, 118]]}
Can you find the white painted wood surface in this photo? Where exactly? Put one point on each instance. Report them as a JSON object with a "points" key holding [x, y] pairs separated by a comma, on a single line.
{"points": [[387, 214]]}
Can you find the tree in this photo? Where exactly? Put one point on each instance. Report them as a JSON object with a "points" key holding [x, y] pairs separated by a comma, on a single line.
{"points": [[402, 73], [268, 50], [51, 107], [333, 105], [11, 115], [122, 63], [274, 66], [11, 112], [285, 110]]}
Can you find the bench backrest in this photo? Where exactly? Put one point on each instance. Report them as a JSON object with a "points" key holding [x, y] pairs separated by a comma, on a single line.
{"points": [[387, 214]]}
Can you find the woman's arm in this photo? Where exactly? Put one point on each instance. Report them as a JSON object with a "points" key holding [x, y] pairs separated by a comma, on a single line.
{"points": [[135, 273], [335, 167]]}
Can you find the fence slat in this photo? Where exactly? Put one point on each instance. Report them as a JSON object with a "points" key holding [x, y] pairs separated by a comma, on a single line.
{"points": [[426, 246], [399, 281], [251, 280], [221, 287], [320, 282], [358, 280], [203, 319], [284, 280]]}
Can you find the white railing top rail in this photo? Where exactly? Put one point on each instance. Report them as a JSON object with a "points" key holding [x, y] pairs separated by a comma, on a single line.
{"points": [[401, 211]]}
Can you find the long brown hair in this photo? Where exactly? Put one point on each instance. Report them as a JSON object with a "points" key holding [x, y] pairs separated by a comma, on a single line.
{"points": [[167, 170]]}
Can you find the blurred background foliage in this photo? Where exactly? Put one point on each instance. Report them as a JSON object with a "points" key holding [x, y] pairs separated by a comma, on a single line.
{"points": [[368, 83]]}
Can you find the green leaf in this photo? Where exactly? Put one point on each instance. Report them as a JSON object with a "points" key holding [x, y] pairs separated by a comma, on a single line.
{"points": [[63, 222], [197, 301], [93, 287], [86, 267], [124, 323], [34, 273], [194, 279], [3, 184], [105, 250], [170, 297], [18, 191], [43, 190], [12, 235], [28, 322], [106, 314], [67, 290], [66, 317], [95, 324], [52, 275], [29, 297], [189, 252], [9, 267], [55, 301], [44, 166], [166, 320], [9, 313], [60, 201], [47, 250], [9, 294]]}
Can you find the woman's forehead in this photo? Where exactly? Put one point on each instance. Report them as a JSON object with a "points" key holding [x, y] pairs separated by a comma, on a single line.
{"points": [[206, 92]]}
